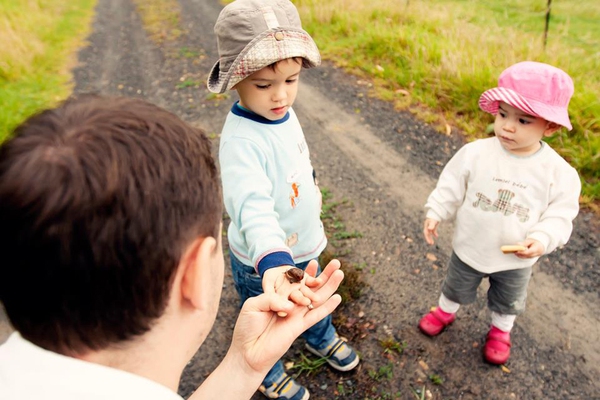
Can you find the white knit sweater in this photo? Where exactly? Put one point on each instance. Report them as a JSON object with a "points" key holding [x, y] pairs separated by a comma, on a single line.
{"points": [[499, 199]]}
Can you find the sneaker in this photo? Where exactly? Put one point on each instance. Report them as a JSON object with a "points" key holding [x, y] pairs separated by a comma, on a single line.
{"points": [[338, 354], [435, 322], [285, 388], [497, 346]]}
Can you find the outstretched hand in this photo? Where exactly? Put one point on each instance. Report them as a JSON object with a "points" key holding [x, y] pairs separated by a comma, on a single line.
{"points": [[262, 337]]}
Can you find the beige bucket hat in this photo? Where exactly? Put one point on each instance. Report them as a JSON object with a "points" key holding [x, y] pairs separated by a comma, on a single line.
{"points": [[253, 34]]}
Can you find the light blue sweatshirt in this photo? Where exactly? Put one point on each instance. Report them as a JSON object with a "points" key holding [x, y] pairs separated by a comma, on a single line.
{"points": [[269, 191]]}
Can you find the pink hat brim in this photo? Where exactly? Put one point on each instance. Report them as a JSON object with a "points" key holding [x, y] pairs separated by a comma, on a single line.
{"points": [[489, 100]]}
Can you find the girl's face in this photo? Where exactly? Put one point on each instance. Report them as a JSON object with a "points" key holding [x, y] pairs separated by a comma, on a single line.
{"points": [[270, 92], [520, 133]]}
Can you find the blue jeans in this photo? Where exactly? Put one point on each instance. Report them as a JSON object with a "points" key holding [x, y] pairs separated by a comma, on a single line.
{"points": [[249, 284]]}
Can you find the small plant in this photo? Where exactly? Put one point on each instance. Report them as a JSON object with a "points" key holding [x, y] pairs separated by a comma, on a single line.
{"points": [[352, 285], [360, 266], [436, 379], [391, 345], [308, 365], [419, 393], [188, 83], [385, 372], [346, 235], [186, 52]]}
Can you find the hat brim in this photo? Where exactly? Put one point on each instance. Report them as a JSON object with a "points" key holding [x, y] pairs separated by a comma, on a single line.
{"points": [[490, 99], [261, 52]]}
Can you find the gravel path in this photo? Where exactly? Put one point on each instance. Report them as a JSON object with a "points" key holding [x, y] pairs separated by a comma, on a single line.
{"points": [[380, 164]]}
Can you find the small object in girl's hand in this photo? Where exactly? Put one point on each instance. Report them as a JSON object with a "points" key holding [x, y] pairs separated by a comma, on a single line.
{"points": [[294, 275], [512, 248]]}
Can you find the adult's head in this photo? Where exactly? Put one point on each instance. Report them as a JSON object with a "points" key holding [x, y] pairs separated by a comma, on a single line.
{"points": [[99, 199]]}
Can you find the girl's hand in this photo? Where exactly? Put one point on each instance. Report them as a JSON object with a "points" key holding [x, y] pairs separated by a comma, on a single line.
{"points": [[534, 249], [430, 230]]}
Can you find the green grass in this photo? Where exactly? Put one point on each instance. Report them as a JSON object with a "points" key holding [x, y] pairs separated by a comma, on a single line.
{"points": [[161, 20], [385, 372], [37, 52], [432, 57], [390, 346], [436, 57], [308, 365]]}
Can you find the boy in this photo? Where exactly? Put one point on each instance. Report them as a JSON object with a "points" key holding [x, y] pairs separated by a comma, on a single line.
{"points": [[110, 227], [509, 193], [269, 185]]}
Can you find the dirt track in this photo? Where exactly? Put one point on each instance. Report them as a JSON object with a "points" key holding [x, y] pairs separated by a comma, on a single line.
{"points": [[384, 163]]}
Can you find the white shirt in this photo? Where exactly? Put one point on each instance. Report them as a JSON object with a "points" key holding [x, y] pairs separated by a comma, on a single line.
{"points": [[30, 372], [501, 199]]}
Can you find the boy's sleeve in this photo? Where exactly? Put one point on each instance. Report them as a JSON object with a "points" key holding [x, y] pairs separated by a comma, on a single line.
{"points": [[556, 223], [250, 205], [450, 190]]}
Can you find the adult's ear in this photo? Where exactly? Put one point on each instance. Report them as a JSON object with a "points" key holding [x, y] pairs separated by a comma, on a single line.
{"points": [[551, 129], [198, 280]]}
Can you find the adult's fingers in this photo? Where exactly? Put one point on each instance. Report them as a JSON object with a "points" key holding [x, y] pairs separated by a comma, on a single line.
{"points": [[315, 283], [318, 313]]}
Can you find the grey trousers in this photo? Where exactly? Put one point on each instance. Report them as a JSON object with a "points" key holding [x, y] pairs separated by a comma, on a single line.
{"points": [[507, 293]]}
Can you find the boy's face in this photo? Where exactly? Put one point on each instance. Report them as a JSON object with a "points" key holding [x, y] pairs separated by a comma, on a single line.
{"points": [[520, 133], [271, 92]]}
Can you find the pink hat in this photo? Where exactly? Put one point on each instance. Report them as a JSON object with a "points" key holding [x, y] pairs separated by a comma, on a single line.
{"points": [[535, 88]]}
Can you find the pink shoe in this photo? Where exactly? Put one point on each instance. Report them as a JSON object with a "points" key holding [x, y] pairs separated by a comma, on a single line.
{"points": [[434, 322], [497, 346]]}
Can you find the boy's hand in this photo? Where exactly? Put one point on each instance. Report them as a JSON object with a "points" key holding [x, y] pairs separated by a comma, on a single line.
{"points": [[430, 230], [534, 248], [262, 338], [275, 281]]}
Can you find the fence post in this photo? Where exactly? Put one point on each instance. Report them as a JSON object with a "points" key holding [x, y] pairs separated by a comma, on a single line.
{"points": [[548, 9]]}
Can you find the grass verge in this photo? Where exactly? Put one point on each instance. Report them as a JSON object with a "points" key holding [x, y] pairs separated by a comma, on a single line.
{"points": [[436, 57], [39, 40]]}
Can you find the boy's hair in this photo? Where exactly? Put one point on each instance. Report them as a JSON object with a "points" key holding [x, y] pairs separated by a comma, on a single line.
{"points": [[298, 60], [98, 200], [253, 34]]}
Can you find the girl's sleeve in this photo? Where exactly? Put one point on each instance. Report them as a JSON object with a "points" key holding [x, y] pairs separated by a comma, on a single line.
{"points": [[450, 190], [556, 222]]}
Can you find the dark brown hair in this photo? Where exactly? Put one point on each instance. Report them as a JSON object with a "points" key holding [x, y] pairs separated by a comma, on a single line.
{"points": [[303, 62], [98, 199]]}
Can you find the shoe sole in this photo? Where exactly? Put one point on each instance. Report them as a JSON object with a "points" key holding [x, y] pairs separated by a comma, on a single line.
{"points": [[305, 397], [345, 368]]}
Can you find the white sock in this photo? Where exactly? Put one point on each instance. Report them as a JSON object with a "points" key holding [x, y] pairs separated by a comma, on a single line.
{"points": [[448, 305], [504, 322]]}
